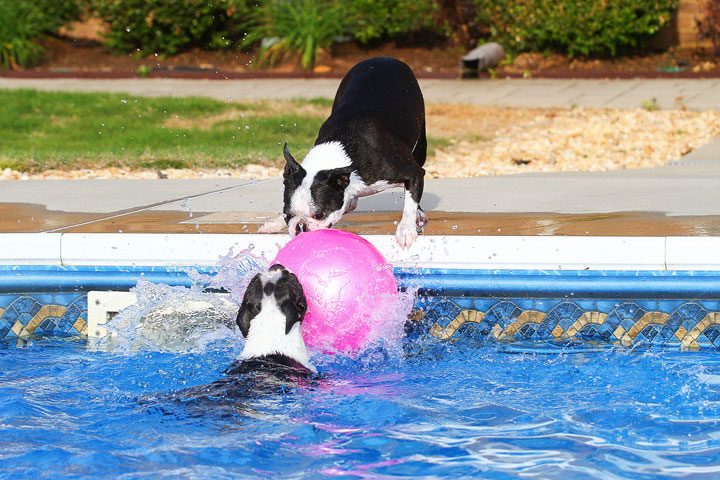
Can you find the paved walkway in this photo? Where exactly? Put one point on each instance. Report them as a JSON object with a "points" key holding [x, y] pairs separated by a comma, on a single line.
{"points": [[672, 200], [633, 202], [697, 94]]}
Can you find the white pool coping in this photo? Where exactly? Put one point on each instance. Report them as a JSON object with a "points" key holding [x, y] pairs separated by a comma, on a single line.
{"points": [[479, 252]]}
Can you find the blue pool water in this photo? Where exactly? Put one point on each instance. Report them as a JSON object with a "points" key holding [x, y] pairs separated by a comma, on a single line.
{"points": [[440, 410]]}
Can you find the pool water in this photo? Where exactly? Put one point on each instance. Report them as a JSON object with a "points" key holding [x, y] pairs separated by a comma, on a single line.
{"points": [[439, 410]]}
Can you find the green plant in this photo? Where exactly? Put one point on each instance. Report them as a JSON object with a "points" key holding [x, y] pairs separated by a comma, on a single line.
{"points": [[294, 27], [650, 105], [577, 27], [58, 12], [143, 71], [168, 27], [22, 23], [374, 19]]}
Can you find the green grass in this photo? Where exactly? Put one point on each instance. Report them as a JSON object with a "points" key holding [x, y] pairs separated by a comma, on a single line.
{"points": [[41, 130], [48, 130]]}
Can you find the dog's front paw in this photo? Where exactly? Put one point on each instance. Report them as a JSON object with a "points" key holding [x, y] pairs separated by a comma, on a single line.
{"points": [[273, 226], [406, 234]]}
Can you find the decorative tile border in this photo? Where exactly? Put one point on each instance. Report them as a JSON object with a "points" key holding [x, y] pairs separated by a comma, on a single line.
{"points": [[57, 315], [687, 325], [673, 309]]}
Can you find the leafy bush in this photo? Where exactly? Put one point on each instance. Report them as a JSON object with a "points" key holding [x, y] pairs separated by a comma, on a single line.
{"points": [[585, 27], [58, 12], [295, 27], [374, 19], [168, 27], [22, 23]]}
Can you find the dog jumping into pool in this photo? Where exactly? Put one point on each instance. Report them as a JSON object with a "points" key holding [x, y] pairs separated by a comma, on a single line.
{"points": [[373, 140]]}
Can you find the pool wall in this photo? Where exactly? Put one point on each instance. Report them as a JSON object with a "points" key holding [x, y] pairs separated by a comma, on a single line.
{"points": [[656, 291]]}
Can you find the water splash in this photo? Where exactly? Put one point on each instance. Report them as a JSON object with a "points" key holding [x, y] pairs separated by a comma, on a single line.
{"points": [[232, 273], [195, 320], [173, 319]]}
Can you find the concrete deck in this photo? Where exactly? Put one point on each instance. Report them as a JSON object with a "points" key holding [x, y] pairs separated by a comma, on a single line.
{"points": [[673, 200], [697, 94], [678, 199]]}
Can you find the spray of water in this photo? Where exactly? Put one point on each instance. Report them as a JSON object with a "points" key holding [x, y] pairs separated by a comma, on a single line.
{"points": [[193, 320], [232, 273], [172, 319]]}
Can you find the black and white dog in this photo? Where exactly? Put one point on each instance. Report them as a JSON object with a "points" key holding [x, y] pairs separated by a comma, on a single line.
{"points": [[374, 139], [274, 359], [270, 319]]}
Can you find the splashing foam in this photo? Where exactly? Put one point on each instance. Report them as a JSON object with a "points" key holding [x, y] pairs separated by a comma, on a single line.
{"points": [[173, 319], [193, 320]]}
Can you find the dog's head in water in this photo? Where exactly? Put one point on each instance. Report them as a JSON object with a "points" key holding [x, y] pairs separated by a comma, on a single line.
{"points": [[274, 359], [270, 319]]}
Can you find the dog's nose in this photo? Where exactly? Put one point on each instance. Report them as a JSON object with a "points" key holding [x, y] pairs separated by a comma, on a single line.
{"points": [[301, 226]]}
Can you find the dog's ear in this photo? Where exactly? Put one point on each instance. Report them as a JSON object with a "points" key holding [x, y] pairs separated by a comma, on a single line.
{"points": [[340, 178], [250, 306], [295, 306], [291, 165]]}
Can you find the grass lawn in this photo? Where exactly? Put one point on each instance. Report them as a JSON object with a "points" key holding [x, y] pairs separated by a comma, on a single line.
{"points": [[40, 130], [66, 131]]}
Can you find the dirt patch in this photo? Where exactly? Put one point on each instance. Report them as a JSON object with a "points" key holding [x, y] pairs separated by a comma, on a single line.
{"points": [[83, 55], [669, 63], [468, 122]]}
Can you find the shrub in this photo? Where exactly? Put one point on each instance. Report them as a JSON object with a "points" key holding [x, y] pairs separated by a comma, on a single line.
{"points": [[374, 19], [58, 12], [23, 23], [577, 27], [168, 27], [709, 25], [295, 27]]}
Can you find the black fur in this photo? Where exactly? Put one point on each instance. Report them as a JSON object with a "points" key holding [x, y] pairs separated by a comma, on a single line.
{"points": [[238, 390], [288, 294], [378, 115]]}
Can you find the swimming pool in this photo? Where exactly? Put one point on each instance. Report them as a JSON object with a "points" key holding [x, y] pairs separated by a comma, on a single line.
{"points": [[605, 370], [451, 410]]}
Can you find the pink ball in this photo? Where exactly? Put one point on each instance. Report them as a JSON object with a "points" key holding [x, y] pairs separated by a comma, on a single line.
{"points": [[349, 286]]}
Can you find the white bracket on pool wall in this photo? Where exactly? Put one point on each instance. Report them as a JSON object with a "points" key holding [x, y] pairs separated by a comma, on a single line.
{"points": [[478, 252], [103, 306]]}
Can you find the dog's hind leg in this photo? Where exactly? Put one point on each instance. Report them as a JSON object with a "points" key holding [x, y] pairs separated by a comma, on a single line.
{"points": [[420, 154], [407, 230], [420, 150]]}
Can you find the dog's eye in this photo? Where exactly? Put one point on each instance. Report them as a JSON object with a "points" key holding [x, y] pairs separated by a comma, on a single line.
{"points": [[319, 216]]}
